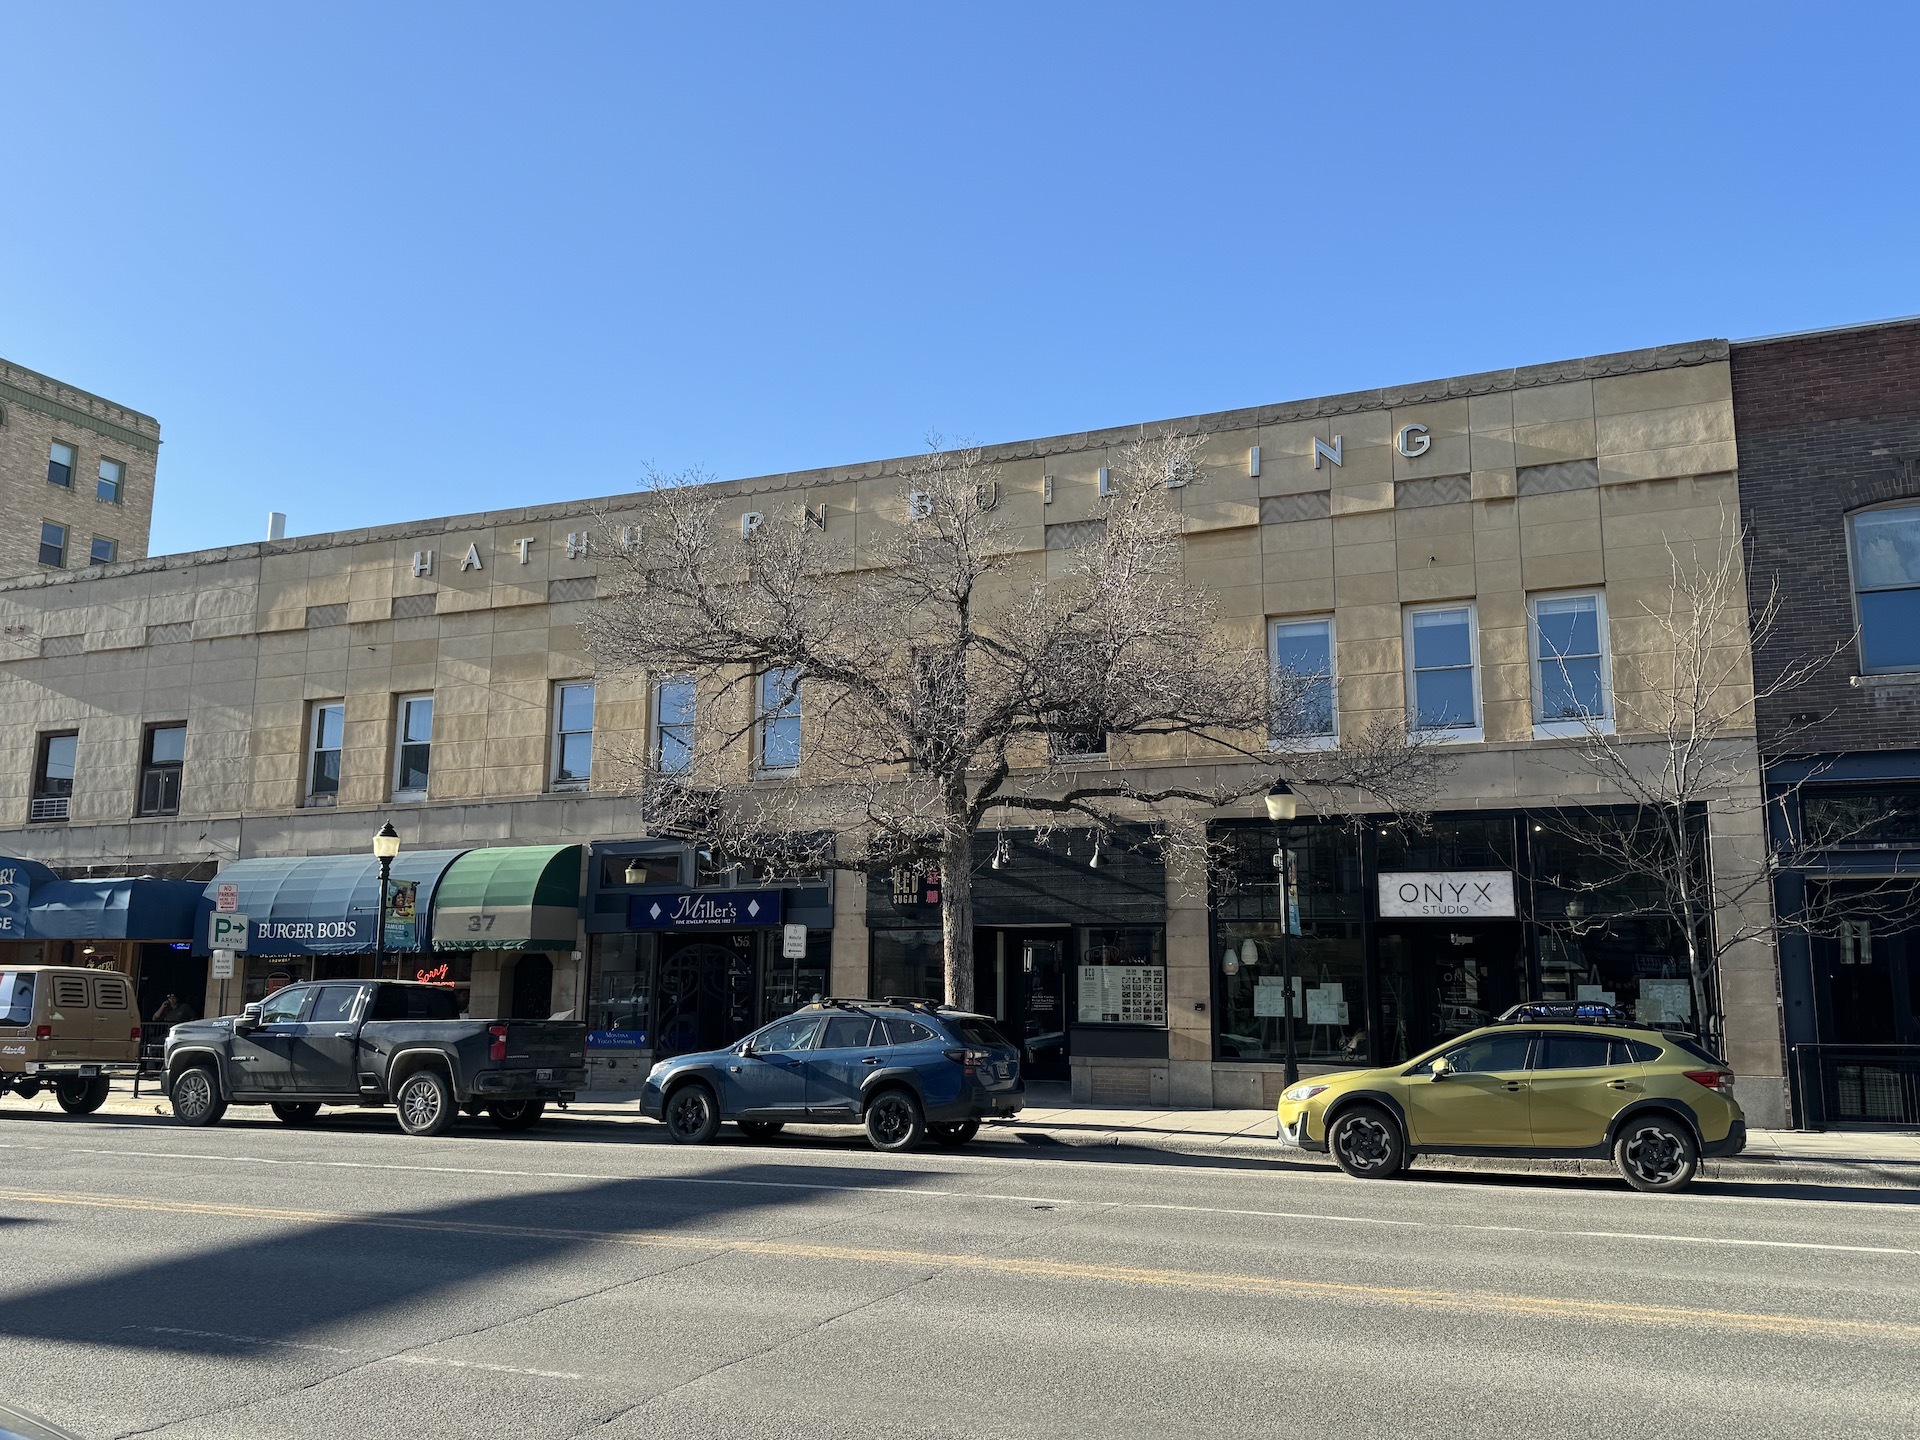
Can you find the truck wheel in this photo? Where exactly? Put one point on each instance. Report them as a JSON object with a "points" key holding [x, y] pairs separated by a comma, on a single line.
{"points": [[953, 1134], [296, 1112], [425, 1103], [693, 1114], [195, 1093], [82, 1097], [894, 1121], [516, 1114]]}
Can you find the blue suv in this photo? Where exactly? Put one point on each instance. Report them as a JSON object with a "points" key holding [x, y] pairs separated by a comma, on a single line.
{"points": [[905, 1070]]}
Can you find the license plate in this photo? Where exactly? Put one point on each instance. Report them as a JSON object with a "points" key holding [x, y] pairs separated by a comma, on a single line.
{"points": [[89, 1070], [543, 1074]]}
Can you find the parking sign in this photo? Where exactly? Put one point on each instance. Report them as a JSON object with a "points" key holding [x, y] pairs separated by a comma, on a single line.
{"points": [[227, 932]]}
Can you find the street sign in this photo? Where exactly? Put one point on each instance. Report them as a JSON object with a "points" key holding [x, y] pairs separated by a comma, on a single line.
{"points": [[223, 964], [226, 897], [226, 932], [793, 942]]}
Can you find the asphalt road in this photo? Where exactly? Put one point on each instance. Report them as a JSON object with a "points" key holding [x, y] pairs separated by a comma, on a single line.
{"points": [[591, 1278]]}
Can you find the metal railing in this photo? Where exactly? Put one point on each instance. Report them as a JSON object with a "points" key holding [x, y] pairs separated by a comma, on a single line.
{"points": [[1857, 1085]]}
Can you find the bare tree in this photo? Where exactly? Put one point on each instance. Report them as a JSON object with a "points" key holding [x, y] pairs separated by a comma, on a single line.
{"points": [[1681, 742], [954, 681]]}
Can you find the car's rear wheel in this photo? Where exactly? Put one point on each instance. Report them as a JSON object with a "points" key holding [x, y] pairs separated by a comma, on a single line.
{"points": [[513, 1115], [693, 1114], [195, 1093], [1655, 1153], [953, 1133], [296, 1112], [894, 1121], [761, 1129], [425, 1103], [1366, 1143], [82, 1097]]}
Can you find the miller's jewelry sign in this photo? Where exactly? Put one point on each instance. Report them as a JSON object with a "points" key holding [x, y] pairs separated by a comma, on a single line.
{"points": [[1446, 894], [704, 910]]}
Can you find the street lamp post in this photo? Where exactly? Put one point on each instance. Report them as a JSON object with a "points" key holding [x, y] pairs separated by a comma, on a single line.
{"points": [[1282, 806], [386, 845]]}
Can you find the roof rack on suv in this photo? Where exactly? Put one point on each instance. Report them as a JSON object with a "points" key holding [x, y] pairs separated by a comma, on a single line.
{"points": [[1575, 1012], [913, 1002]]}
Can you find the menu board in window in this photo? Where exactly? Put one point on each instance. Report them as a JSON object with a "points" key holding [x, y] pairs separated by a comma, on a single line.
{"points": [[1123, 995]]}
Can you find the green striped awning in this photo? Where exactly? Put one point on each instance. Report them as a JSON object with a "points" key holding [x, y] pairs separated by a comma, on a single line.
{"points": [[511, 897]]}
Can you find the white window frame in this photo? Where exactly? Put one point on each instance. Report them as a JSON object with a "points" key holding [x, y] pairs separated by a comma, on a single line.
{"points": [[1308, 742], [766, 721], [1854, 588], [314, 709], [1602, 723], [119, 495], [657, 729], [1452, 734], [556, 736], [400, 704]]}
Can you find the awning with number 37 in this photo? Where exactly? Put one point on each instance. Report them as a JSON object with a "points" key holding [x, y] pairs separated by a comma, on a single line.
{"points": [[510, 897]]}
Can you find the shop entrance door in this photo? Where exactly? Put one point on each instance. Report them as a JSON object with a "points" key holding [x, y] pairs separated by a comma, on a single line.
{"points": [[1021, 978], [1440, 978], [705, 990]]}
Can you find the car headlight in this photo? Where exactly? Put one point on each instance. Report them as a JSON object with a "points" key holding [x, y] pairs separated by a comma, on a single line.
{"points": [[1303, 1092]]}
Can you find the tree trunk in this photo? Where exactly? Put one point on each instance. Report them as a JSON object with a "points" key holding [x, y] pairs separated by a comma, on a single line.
{"points": [[956, 917]]}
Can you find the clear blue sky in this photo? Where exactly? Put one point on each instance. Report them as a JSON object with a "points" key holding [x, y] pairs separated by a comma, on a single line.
{"points": [[372, 262]]}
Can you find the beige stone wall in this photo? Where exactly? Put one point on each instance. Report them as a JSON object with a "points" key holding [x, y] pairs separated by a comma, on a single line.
{"points": [[35, 411], [1555, 477]]}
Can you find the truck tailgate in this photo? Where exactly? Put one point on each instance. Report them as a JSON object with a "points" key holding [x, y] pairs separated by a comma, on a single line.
{"points": [[545, 1045]]}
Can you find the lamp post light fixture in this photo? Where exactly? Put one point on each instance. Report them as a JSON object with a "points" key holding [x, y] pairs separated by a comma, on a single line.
{"points": [[386, 845], [1282, 806]]}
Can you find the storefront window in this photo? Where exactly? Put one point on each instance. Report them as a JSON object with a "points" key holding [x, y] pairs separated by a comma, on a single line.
{"points": [[1636, 962], [1311, 941], [452, 971], [909, 963], [1123, 977], [620, 990], [787, 984]]}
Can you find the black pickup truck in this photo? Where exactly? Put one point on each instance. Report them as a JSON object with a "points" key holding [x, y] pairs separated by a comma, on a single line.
{"points": [[373, 1042]]}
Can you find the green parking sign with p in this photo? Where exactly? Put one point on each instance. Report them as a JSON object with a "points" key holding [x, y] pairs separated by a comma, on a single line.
{"points": [[226, 931]]}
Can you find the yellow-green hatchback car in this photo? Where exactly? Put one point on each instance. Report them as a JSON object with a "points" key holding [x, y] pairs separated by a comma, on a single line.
{"points": [[1557, 1081]]}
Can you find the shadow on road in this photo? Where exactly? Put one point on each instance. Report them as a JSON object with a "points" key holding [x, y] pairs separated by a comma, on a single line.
{"points": [[311, 1276]]}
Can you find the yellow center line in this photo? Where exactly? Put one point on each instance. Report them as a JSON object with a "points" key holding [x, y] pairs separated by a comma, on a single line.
{"points": [[1481, 1302]]}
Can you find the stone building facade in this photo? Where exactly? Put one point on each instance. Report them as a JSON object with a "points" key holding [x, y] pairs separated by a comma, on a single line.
{"points": [[76, 476], [1467, 501]]}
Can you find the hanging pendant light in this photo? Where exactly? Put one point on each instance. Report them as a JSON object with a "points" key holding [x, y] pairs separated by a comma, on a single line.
{"points": [[1249, 953]]}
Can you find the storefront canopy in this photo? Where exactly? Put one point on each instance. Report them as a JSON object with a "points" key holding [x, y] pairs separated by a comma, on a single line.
{"points": [[37, 905], [511, 897], [325, 904]]}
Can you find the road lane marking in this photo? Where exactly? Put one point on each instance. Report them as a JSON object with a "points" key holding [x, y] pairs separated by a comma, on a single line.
{"points": [[374, 1355], [1478, 1302], [922, 1192]]}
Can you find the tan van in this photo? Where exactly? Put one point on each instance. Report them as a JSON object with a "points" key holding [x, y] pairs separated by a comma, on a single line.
{"points": [[68, 1027]]}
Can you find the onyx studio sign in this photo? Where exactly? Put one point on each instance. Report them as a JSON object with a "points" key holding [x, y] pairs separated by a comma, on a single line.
{"points": [[1446, 894]]}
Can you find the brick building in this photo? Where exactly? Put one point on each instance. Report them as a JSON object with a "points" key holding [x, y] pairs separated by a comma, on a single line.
{"points": [[1829, 428], [257, 712], [76, 476]]}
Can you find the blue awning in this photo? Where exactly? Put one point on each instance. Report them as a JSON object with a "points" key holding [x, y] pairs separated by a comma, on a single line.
{"points": [[325, 904], [37, 905]]}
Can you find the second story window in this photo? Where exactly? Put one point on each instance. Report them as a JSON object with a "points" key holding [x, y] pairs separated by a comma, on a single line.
{"points": [[572, 735], [103, 551], [673, 725], [326, 729], [53, 775], [1301, 655], [1570, 692], [1886, 583], [1443, 691], [113, 479], [412, 747], [53, 544], [164, 754], [60, 458], [780, 720]]}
